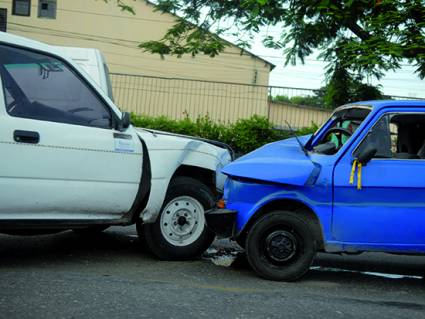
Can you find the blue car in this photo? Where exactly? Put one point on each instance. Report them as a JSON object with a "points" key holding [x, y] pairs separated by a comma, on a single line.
{"points": [[357, 184]]}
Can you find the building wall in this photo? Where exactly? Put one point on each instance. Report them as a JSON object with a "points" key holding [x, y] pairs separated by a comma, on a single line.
{"points": [[178, 98], [297, 116], [96, 24]]}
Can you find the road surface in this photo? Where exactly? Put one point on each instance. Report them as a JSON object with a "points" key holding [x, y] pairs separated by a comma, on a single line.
{"points": [[108, 275]]}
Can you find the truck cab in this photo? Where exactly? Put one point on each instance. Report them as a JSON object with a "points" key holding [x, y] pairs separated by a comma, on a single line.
{"points": [[92, 62], [72, 160], [356, 185]]}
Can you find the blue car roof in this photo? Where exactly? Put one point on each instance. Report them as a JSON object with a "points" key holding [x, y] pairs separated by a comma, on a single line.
{"points": [[376, 105]]}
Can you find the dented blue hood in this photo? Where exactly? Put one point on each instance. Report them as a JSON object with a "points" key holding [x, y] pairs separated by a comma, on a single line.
{"points": [[282, 162]]}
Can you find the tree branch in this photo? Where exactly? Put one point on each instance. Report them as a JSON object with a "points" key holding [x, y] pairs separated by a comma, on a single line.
{"points": [[357, 30]]}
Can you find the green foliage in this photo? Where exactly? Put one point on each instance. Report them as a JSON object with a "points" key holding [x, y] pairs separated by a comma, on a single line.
{"points": [[344, 88], [123, 6], [341, 89], [309, 100], [248, 134], [366, 92], [365, 37], [184, 38], [201, 127], [243, 136], [280, 98], [308, 130], [338, 88]]}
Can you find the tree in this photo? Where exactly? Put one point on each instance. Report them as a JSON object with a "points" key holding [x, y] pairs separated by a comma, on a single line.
{"points": [[340, 89], [343, 88], [359, 37], [123, 6]]}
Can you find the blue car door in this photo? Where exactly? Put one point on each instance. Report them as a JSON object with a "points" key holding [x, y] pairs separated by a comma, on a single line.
{"points": [[383, 208]]}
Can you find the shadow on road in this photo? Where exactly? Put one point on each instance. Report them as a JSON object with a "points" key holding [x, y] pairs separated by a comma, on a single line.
{"points": [[70, 248], [67, 246]]}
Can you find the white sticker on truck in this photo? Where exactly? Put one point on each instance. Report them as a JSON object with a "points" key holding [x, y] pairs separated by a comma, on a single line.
{"points": [[124, 143]]}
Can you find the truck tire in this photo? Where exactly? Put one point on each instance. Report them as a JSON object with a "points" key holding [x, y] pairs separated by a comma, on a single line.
{"points": [[281, 246], [180, 232]]}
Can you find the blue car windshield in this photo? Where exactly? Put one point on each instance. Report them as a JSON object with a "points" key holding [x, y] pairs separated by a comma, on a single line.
{"points": [[338, 129]]}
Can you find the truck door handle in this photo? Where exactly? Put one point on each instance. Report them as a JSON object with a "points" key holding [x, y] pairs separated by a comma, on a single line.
{"points": [[26, 137]]}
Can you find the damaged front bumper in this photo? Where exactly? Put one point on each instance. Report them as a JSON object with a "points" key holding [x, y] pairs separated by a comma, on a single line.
{"points": [[222, 222]]}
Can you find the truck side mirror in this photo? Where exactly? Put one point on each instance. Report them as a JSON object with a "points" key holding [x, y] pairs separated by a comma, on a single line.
{"points": [[125, 121], [365, 155]]}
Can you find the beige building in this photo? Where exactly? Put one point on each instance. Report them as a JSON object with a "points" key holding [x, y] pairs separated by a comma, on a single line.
{"points": [[101, 25]]}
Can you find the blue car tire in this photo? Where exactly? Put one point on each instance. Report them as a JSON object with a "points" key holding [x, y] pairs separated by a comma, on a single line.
{"points": [[281, 246]]}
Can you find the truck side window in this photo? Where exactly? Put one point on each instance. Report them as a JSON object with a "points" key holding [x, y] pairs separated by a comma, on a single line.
{"points": [[44, 88], [400, 136]]}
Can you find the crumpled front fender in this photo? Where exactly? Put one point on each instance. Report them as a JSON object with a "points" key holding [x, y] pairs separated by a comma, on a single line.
{"points": [[167, 154], [282, 162]]}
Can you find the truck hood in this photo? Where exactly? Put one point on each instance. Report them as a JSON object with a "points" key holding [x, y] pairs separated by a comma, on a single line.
{"points": [[159, 140], [281, 162], [220, 145]]}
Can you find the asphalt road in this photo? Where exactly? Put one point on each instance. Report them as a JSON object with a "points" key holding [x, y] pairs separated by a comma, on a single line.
{"points": [[109, 276]]}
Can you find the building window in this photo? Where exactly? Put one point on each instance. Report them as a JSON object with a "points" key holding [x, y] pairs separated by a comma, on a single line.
{"points": [[3, 19], [21, 8], [47, 9]]}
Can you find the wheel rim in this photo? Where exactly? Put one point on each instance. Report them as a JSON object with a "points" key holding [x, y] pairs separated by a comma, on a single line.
{"points": [[281, 246], [182, 221]]}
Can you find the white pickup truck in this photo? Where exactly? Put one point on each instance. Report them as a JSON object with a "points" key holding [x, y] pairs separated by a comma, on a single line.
{"points": [[71, 160]]}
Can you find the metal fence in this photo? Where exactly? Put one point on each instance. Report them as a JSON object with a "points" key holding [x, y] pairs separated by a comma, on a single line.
{"points": [[289, 92], [177, 98], [221, 101]]}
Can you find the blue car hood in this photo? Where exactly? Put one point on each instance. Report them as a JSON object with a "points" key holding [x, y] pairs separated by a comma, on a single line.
{"points": [[282, 162]]}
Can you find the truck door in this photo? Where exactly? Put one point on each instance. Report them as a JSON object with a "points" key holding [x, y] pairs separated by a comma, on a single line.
{"points": [[60, 156], [385, 206]]}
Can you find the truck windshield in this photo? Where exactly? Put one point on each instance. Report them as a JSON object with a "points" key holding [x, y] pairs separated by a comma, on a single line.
{"points": [[339, 129]]}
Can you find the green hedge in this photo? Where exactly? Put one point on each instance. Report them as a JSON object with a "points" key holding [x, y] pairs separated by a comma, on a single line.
{"points": [[309, 100], [243, 136]]}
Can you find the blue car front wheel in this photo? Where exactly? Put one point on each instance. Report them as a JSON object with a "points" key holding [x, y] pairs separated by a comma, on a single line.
{"points": [[281, 245]]}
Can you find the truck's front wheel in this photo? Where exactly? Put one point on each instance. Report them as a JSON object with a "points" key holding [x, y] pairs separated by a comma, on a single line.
{"points": [[180, 230]]}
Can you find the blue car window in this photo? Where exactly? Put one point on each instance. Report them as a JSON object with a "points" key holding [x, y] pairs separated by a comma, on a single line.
{"points": [[399, 136], [44, 88], [378, 137]]}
